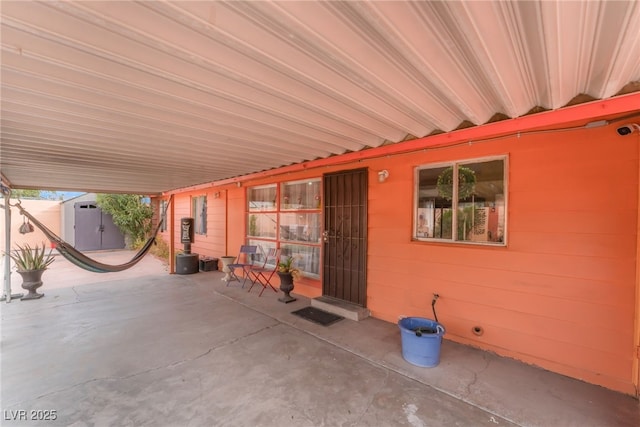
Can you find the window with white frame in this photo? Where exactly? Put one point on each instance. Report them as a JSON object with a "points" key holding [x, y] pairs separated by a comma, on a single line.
{"points": [[287, 216], [462, 201], [199, 214]]}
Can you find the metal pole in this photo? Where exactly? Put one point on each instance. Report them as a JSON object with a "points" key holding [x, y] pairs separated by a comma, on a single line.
{"points": [[7, 249]]}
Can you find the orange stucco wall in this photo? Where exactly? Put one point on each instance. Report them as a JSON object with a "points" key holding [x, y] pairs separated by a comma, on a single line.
{"points": [[561, 294]]}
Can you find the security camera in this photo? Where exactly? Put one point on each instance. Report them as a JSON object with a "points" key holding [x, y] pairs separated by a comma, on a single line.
{"points": [[628, 129]]}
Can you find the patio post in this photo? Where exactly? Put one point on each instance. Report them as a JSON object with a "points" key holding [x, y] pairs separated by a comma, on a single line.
{"points": [[7, 248]]}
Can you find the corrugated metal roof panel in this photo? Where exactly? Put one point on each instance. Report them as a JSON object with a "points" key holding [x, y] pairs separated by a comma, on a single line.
{"points": [[108, 96]]}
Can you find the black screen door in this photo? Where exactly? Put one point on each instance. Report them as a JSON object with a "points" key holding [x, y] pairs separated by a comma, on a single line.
{"points": [[345, 236]]}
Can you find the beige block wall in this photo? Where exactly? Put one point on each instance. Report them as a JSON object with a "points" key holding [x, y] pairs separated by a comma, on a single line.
{"points": [[46, 211]]}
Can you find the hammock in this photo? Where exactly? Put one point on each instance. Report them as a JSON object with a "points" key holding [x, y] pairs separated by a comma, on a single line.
{"points": [[78, 258]]}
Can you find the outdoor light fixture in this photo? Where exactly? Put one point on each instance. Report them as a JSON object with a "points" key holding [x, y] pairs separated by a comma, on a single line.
{"points": [[383, 175], [628, 129], [596, 124]]}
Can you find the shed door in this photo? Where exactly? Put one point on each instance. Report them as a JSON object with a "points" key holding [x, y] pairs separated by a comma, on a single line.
{"points": [[345, 236], [94, 229], [112, 237]]}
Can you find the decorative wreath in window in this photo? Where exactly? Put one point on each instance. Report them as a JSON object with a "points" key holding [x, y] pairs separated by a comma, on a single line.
{"points": [[466, 183]]}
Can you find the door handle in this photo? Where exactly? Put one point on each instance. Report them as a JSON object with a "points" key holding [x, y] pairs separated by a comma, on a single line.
{"points": [[325, 236]]}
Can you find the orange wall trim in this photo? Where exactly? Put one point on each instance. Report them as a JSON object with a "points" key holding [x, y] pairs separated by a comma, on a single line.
{"points": [[562, 294]]}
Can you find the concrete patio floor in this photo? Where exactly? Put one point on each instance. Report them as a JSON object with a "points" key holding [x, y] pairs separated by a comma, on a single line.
{"points": [[146, 348]]}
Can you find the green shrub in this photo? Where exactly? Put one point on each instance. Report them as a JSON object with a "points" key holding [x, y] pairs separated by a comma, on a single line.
{"points": [[161, 250], [129, 214]]}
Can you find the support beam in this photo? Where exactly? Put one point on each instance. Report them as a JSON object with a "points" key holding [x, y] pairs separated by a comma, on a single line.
{"points": [[7, 296], [172, 238]]}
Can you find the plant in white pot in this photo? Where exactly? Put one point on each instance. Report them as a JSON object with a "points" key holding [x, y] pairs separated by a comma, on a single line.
{"points": [[31, 264]]}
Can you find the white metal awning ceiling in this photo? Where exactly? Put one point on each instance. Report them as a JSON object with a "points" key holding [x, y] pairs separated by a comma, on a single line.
{"points": [[151, 96]]}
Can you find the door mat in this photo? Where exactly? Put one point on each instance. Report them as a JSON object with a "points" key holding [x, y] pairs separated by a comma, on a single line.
{"points": [[318, 316]]}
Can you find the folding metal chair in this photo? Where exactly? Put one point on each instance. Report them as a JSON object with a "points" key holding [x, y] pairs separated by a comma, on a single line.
{"points": [[264, 273], [244, 262]]}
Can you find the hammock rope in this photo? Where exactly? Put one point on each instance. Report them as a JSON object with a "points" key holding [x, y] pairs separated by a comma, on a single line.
{"points": [[81, 260]]}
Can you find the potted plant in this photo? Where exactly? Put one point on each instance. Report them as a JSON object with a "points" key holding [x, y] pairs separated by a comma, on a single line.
{"points": [[287, 273], [31, 264]]}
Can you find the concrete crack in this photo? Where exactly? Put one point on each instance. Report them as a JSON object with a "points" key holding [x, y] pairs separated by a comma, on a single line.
{"points": [[467, 389], [383, 387], [474, 379], [146, 371]]}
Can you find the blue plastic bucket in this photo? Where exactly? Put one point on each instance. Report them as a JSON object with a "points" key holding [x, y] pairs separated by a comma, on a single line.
{"points": [[421, 340]]}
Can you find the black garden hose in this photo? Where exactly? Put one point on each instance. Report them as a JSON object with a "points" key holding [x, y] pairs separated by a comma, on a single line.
{"points": [[428, 330], [433, 305]]}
